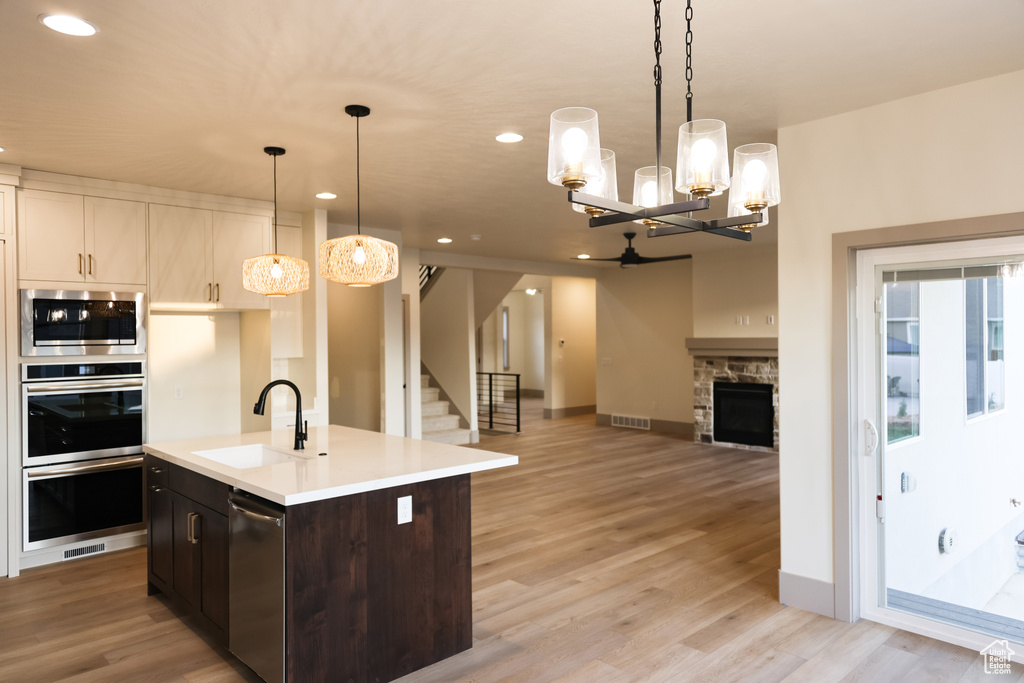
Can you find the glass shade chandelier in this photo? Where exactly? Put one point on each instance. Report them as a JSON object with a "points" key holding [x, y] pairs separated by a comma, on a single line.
{"points": [[358, 260], [275, 274], [576, 162]]}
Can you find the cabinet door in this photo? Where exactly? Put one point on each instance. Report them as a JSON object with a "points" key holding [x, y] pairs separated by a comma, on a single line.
{"points": [[237, 237], [51, 240], [6, 210], [186, 549], [115, 241], [213, 541], [161, 533], [179, 258]]}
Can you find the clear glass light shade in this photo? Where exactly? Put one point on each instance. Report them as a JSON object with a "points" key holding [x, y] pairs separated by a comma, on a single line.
{"points": [[358, 260], [605, 184], [275, 275], [755, 180], [574, 147], [702, 162], [646, 191]]}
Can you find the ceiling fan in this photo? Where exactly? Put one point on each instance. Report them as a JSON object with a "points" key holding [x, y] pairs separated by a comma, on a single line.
{"points": [[631, 259]]}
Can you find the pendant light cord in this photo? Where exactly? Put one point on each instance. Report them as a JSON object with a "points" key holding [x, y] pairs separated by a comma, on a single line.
{"points": [[275, 203], [657, 92], [358, 190]]}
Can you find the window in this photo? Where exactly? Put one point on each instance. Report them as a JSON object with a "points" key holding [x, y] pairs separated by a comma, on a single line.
{"points": [[983, 316], [504, 338], [902, 360]]}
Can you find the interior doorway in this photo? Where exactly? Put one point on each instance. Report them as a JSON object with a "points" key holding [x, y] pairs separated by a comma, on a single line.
{"points": [[940, 358]]}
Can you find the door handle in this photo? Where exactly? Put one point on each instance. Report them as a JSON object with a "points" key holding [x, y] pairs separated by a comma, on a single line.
{"points": [[192, 517], [870, 438]]}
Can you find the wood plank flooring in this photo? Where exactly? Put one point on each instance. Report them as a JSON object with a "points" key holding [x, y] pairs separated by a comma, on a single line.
{"points": [[606, 555]]}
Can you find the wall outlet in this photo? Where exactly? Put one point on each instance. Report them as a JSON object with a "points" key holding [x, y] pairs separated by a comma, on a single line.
{"points": [[770, 319], [179, 393], [739, 320], [746, 320], [405, 509]]}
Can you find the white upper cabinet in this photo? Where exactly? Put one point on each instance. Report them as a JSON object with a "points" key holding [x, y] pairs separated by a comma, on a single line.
{"points": [[196, 256], [71, 238]]}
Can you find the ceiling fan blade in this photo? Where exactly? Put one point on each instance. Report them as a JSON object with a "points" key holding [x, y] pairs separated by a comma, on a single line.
{"points": [[617, 258], [655, 259]]}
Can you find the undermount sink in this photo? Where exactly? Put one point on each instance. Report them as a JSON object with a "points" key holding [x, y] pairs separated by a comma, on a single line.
{"points": [[253, 455]]}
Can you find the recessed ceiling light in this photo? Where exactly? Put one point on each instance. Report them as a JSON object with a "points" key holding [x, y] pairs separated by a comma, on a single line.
{"points": [[583, 257], [531, 291], [72, 26], [326, 195], [475, 238], [2, 149], [444, 240], [509, 137]]}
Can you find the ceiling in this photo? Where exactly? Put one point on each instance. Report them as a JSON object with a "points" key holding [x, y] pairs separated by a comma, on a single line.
{"points": [[186, 94]]}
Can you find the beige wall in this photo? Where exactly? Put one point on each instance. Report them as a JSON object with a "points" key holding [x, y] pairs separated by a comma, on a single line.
{"points": [[644, 315], [200, 354], [410, 277], [353, 340], [570, 332], [905, 162], [448, 339], [741, 282], [526, 337]]}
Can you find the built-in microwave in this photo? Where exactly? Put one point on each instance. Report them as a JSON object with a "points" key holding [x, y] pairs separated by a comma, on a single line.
{"points": [[80, 323]]}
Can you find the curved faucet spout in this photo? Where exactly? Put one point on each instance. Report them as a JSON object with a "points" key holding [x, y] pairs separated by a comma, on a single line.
{"points": [[301, 431]]}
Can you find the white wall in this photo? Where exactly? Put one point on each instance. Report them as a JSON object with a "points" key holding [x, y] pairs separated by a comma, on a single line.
{"points": [[741, 281], [354, 352], [200, 354], [410, 277], [570, 331], [644, 316], [448, 339], [526, 339], [894, 164]]}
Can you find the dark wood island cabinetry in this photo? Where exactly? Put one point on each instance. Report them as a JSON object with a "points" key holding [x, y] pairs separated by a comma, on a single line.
{"points": [[367, 596]]}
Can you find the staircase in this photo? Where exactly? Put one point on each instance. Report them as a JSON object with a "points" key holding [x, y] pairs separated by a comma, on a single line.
{"points": [[438, 424]]}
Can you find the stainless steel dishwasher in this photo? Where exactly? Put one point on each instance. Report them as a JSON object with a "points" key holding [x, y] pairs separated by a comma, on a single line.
{"points": [[256, 584]]}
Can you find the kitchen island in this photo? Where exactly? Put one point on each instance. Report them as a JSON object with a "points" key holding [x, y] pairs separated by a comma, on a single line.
{"points": [[377, 548]]}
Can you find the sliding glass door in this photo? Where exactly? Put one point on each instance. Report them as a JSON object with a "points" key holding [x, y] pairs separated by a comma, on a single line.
{"points": [[942, 383]]}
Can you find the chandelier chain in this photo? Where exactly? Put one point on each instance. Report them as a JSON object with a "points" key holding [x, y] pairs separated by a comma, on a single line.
{"points": [[657, 92], [689, 62]]}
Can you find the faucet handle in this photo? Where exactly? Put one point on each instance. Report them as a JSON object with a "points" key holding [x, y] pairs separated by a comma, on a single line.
{"points": [[305, 430]]}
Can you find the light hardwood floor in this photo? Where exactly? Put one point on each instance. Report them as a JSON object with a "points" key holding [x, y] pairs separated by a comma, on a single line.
{"points": [[606, 555]]}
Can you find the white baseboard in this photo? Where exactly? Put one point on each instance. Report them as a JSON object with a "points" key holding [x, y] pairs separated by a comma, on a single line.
{"points": [[807, 594]]}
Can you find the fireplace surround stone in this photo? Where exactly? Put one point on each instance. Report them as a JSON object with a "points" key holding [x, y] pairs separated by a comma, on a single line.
{"points": [[745, 369]]}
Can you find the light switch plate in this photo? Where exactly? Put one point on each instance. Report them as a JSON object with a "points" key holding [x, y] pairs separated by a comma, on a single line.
{"points": [[405, 509]]}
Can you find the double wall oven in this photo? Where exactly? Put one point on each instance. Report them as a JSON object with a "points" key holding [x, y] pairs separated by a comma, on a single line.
{"points": [[83, 419]]}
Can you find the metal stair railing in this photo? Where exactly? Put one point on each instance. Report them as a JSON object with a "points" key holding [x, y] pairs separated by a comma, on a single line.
{"points": [[497, 400]]}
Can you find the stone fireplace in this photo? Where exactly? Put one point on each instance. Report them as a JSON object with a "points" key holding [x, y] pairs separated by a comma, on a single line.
{"points": [[746, 361]]}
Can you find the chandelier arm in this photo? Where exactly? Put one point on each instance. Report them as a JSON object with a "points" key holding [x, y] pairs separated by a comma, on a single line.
{"points": [[663, 230], [735, 221]]}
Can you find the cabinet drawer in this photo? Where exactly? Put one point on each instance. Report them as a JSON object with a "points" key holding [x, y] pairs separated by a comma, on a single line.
{"points": [[157, 471], [205, 491]]}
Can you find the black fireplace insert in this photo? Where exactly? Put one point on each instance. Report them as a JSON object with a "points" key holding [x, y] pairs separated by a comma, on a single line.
{"points": [[744, 414]]}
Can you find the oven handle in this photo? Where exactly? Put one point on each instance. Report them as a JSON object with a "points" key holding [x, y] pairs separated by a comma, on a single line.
{"points": [[118, 464], [79, 386]]}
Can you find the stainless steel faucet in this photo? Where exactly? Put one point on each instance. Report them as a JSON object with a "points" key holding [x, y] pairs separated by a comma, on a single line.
{"points": [[301, 431]]}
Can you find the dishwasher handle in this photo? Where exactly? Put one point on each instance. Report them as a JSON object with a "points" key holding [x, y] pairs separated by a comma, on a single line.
{"points": [[255, 515]]}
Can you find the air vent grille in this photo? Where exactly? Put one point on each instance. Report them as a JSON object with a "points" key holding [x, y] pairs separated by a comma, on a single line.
{"points": [[631, 421], [84, 550]]}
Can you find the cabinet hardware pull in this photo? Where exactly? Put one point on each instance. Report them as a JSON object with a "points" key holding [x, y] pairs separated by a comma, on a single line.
{"points": [[156, 489], [209, 291], [90, 264], [155, 470], [217, 298], [192, 527], [81, 263]]}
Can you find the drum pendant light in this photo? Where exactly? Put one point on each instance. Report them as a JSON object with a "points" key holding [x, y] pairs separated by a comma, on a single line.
{"points": [[275, 274], [358, 260]]}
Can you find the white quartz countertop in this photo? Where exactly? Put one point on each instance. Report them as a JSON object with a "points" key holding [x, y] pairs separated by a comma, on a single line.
{"points": [[356, 461]]}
